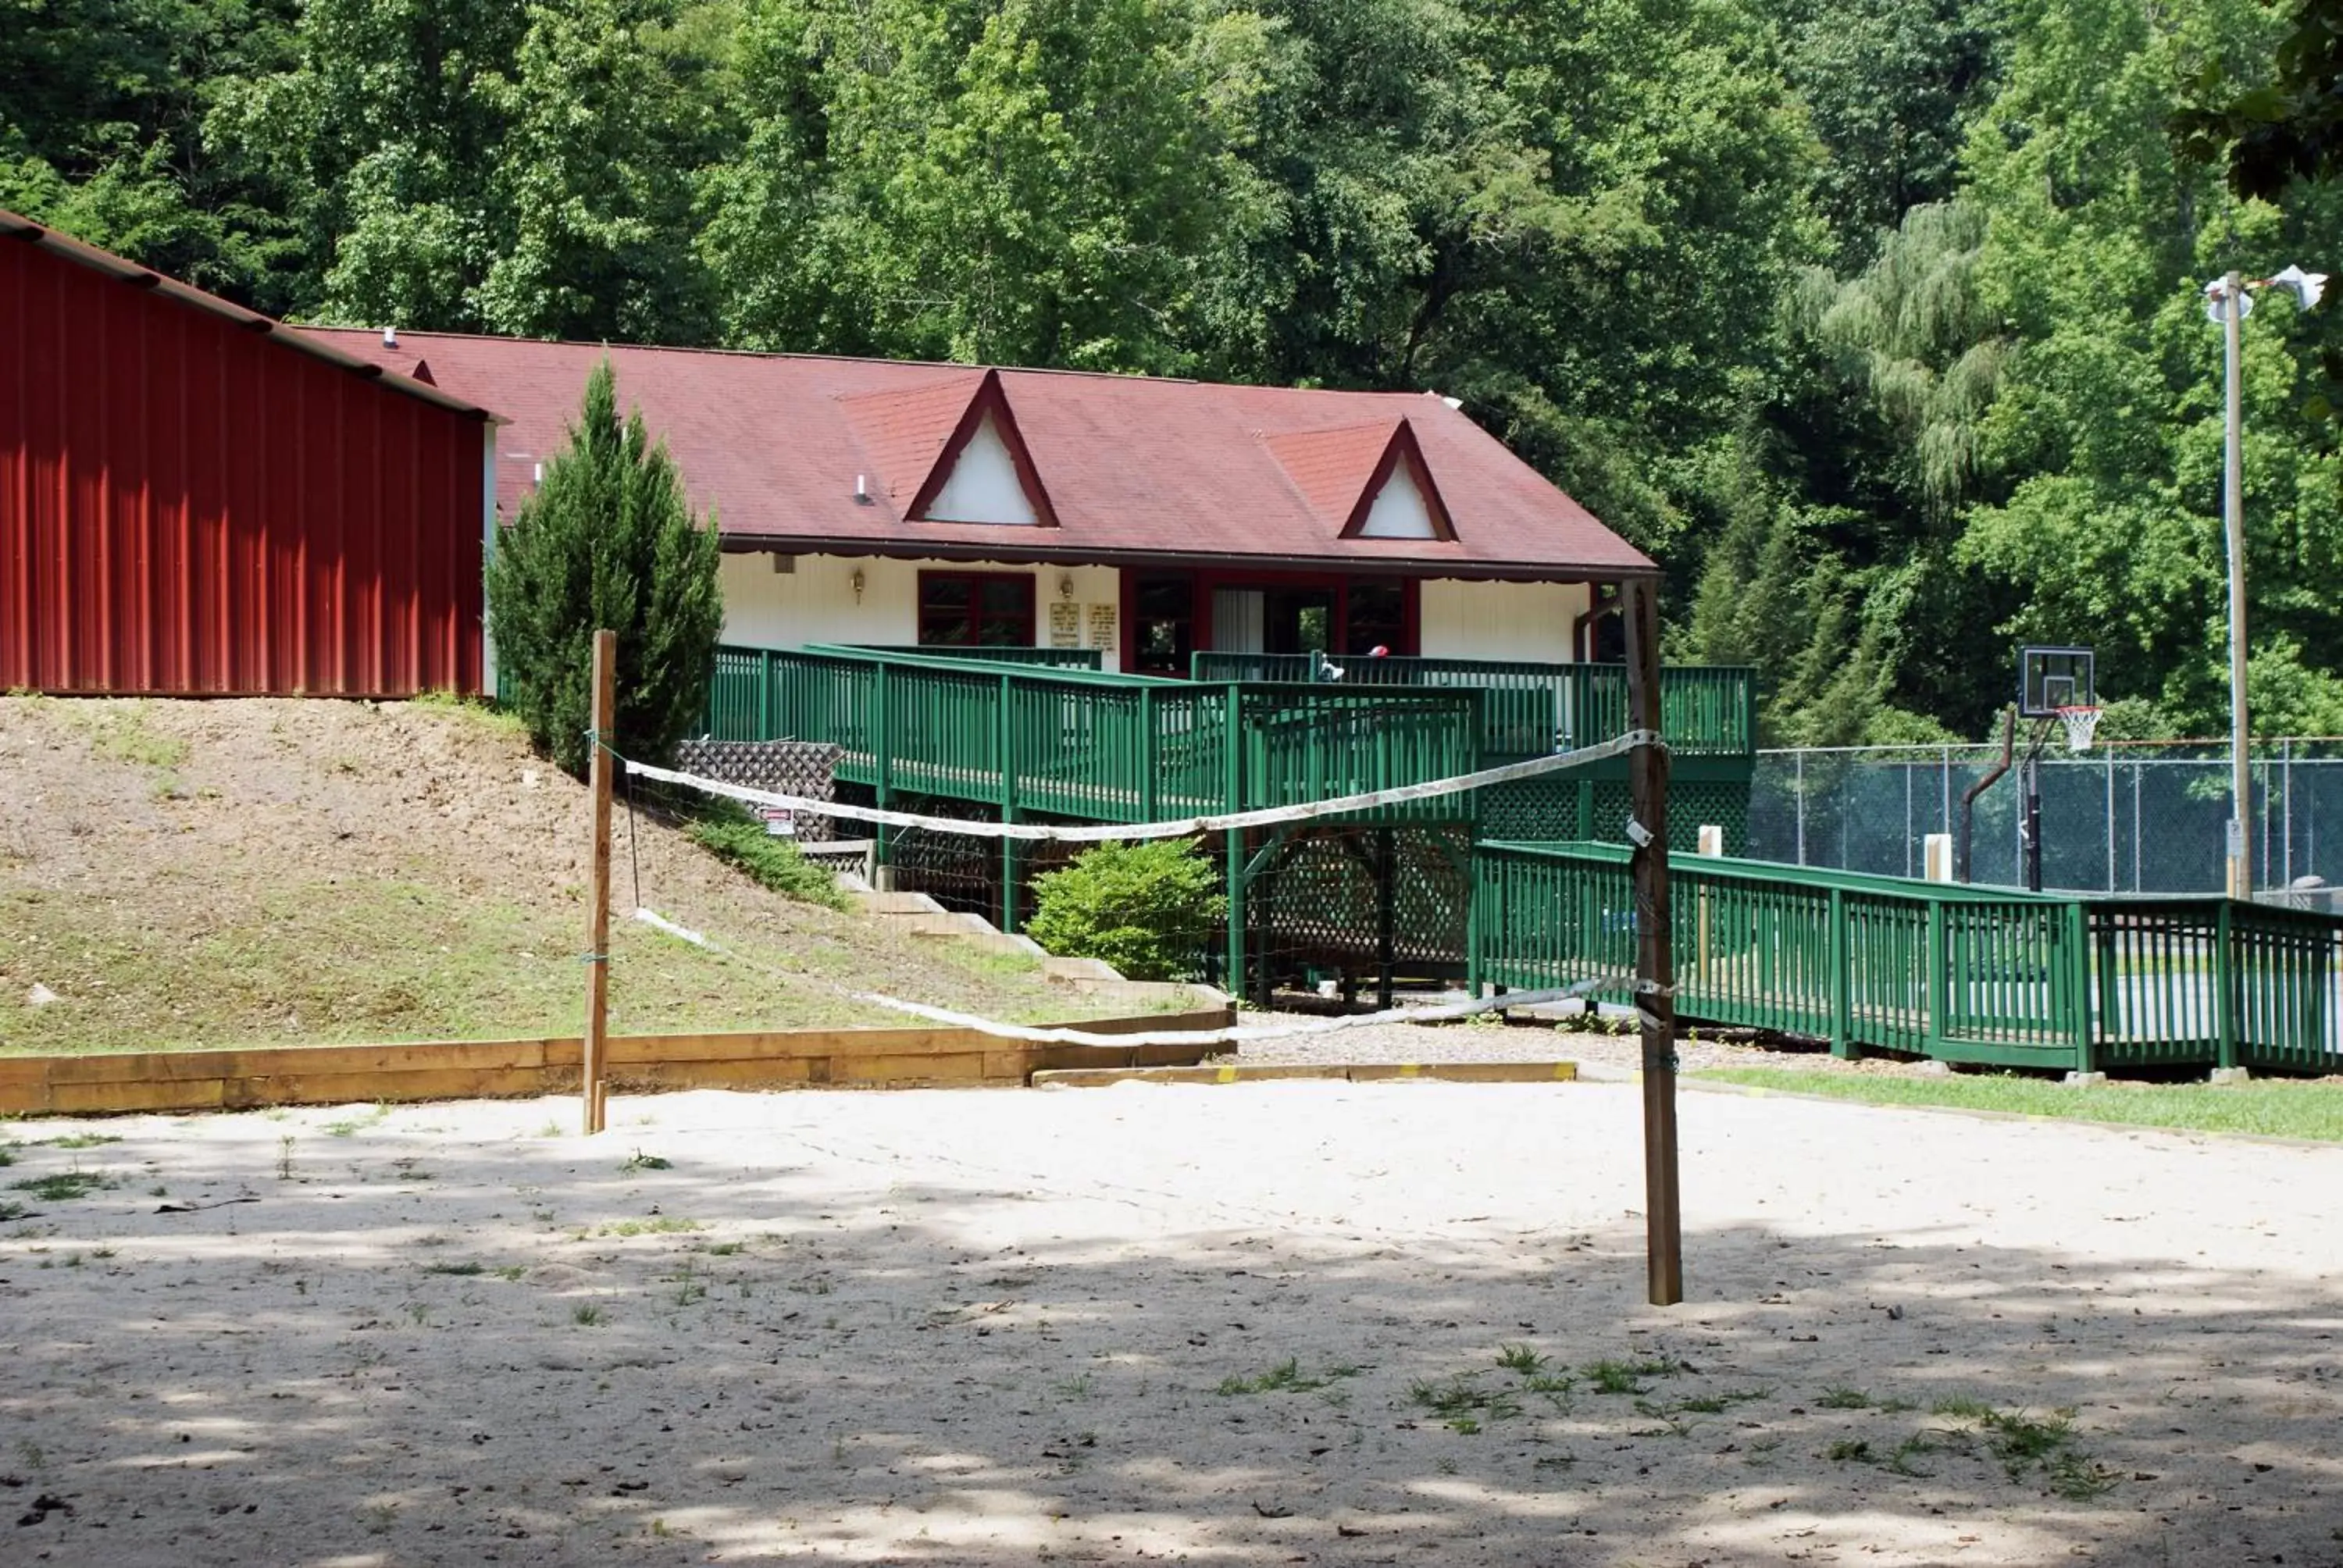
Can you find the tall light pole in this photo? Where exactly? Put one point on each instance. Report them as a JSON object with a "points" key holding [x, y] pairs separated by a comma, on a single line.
{"points": [[2227, 302]]}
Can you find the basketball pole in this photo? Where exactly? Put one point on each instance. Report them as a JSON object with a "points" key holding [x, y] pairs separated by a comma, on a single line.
{"points": [[2233, 516], [1655, 1003]]}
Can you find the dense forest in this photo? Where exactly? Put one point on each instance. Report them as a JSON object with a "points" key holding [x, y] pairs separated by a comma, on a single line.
{"points": [[1878, 321]]}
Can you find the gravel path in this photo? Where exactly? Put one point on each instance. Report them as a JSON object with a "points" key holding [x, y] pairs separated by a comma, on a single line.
{"points": [[1524, 1038]]}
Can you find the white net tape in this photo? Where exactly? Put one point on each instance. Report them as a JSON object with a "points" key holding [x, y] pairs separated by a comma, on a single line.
{"points": [[2081, 724], [1095, 833]]}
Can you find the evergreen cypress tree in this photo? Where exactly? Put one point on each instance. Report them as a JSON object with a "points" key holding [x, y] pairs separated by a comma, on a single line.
{"points": [[607, 541]]}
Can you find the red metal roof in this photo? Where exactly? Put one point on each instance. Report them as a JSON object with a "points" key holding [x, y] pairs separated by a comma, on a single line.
{"points": [[1135, 467], [318, 346]]}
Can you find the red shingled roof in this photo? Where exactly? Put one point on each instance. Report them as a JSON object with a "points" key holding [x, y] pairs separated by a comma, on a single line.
{"points": [[1133, 467]]}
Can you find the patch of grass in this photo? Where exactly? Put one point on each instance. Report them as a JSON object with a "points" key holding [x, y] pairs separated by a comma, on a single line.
{"points": [[1843, 1399], [1627, 1377], [2272, 1109], [1461, 1405], [511, 1272], [353, 1124], [119, 733], [586, 1316], [466, 1270], [729, 832], [657, 1225], [1520, 1359], [1286, 1377], [64, 1185], [1718, 1404], [76, 1140], [639, 1161]]}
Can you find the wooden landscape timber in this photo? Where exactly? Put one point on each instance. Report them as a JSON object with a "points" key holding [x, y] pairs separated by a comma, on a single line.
{"points": [[177, 1080]]}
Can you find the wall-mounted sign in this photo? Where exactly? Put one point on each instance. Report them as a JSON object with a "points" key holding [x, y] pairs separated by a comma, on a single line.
{"points": [[1102, 617], [1065, 624]]}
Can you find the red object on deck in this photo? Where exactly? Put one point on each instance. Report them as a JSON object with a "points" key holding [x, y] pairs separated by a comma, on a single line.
{"points": [[194, 500]]}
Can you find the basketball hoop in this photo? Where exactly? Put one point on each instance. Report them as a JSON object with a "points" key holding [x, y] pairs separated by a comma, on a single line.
{"points": [[2080, 723]]}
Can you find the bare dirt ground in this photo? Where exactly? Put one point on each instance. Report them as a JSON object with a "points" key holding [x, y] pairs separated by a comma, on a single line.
{"points": [[1307, 1322], [260, 872]]}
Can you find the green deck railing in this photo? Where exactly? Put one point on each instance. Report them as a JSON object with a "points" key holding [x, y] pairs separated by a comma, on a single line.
{"points": [[1098, 747], [1534, 708], [1971, 974]]}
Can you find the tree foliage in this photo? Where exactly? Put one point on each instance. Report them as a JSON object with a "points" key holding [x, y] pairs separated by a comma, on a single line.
{"points": [[608, 542], [1874, 320]]}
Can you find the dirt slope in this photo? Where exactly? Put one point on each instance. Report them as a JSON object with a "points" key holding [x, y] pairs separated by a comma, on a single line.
{"points": [[248, 871]]}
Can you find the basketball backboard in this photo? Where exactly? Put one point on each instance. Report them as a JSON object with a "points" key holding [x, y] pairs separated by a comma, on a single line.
{"points": [[2051, 678]]}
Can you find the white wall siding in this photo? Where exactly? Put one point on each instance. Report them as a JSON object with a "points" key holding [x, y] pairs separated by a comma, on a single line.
{"points": [[1500, 620], [815, 603]]}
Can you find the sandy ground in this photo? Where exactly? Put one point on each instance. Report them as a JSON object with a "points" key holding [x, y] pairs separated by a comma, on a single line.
{"points": [[997, 1328]]}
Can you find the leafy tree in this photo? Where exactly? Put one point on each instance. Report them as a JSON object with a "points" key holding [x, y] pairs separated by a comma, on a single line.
{"points": [[608, 541]]}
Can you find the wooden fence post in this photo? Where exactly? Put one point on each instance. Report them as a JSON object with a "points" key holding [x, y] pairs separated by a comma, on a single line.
{"points": [[1648, 775], [598, 918]]}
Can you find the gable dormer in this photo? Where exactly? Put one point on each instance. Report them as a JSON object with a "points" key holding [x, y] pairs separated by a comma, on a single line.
{"points": [[984, 474], [1370, 481]]}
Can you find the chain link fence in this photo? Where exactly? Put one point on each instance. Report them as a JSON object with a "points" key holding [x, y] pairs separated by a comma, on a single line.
{"points": [[2132, 817]]}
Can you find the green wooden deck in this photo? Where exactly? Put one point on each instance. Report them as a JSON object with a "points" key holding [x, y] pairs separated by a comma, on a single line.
{"points": [[1985, 975]]}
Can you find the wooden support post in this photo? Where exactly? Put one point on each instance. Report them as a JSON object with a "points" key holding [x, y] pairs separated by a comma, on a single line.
{"points": [[598, 917], [1655, 1007]]}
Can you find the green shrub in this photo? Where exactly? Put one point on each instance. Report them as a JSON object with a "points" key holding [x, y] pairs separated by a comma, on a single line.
{"points": [[608, 541], [730, 833], [1148, 908]]}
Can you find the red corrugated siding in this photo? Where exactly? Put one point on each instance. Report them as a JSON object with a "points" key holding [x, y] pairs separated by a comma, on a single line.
{"points": [[187, 507]]}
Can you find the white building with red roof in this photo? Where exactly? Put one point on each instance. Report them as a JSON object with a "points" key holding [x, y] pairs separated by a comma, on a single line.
{"points": [[879, 502]]}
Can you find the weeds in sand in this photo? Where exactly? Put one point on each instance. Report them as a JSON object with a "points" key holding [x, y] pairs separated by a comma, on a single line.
{"points": [[586, 1316], [101, 1252], [1520, 1359], [11, 1211], [8, 1153], [1286, 1377], [724, 1249], [1672, 1415], [75, 1141], [550, 1129], [418, 1313], [691, 1286], [509, 1272], [1718, 1404], [1075, 1387], [159, 1191], [285, 1158], [1627, 1377], [32, 1454], [462, 1269], [378, 1517], [1461, 1405], [64, 1185], [639, 1161], [657, 1225], [351, 1125]]}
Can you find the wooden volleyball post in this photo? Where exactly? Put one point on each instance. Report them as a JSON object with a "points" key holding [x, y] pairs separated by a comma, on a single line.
{"points": [[1655, 1004], [592, 1058]]}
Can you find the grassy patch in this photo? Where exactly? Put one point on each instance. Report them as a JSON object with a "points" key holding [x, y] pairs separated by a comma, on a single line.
{"points": [[1627, 1377], [2308, 1110], [118, 731], [65, 1185], [658, 1225], [1286, 1377], [728, 832]]}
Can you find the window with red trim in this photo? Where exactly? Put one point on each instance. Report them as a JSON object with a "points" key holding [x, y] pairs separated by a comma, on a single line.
{"points": [[976, 609]]}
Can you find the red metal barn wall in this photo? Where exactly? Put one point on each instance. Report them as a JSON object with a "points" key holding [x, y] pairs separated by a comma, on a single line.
{"points": [[188, 507]]}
